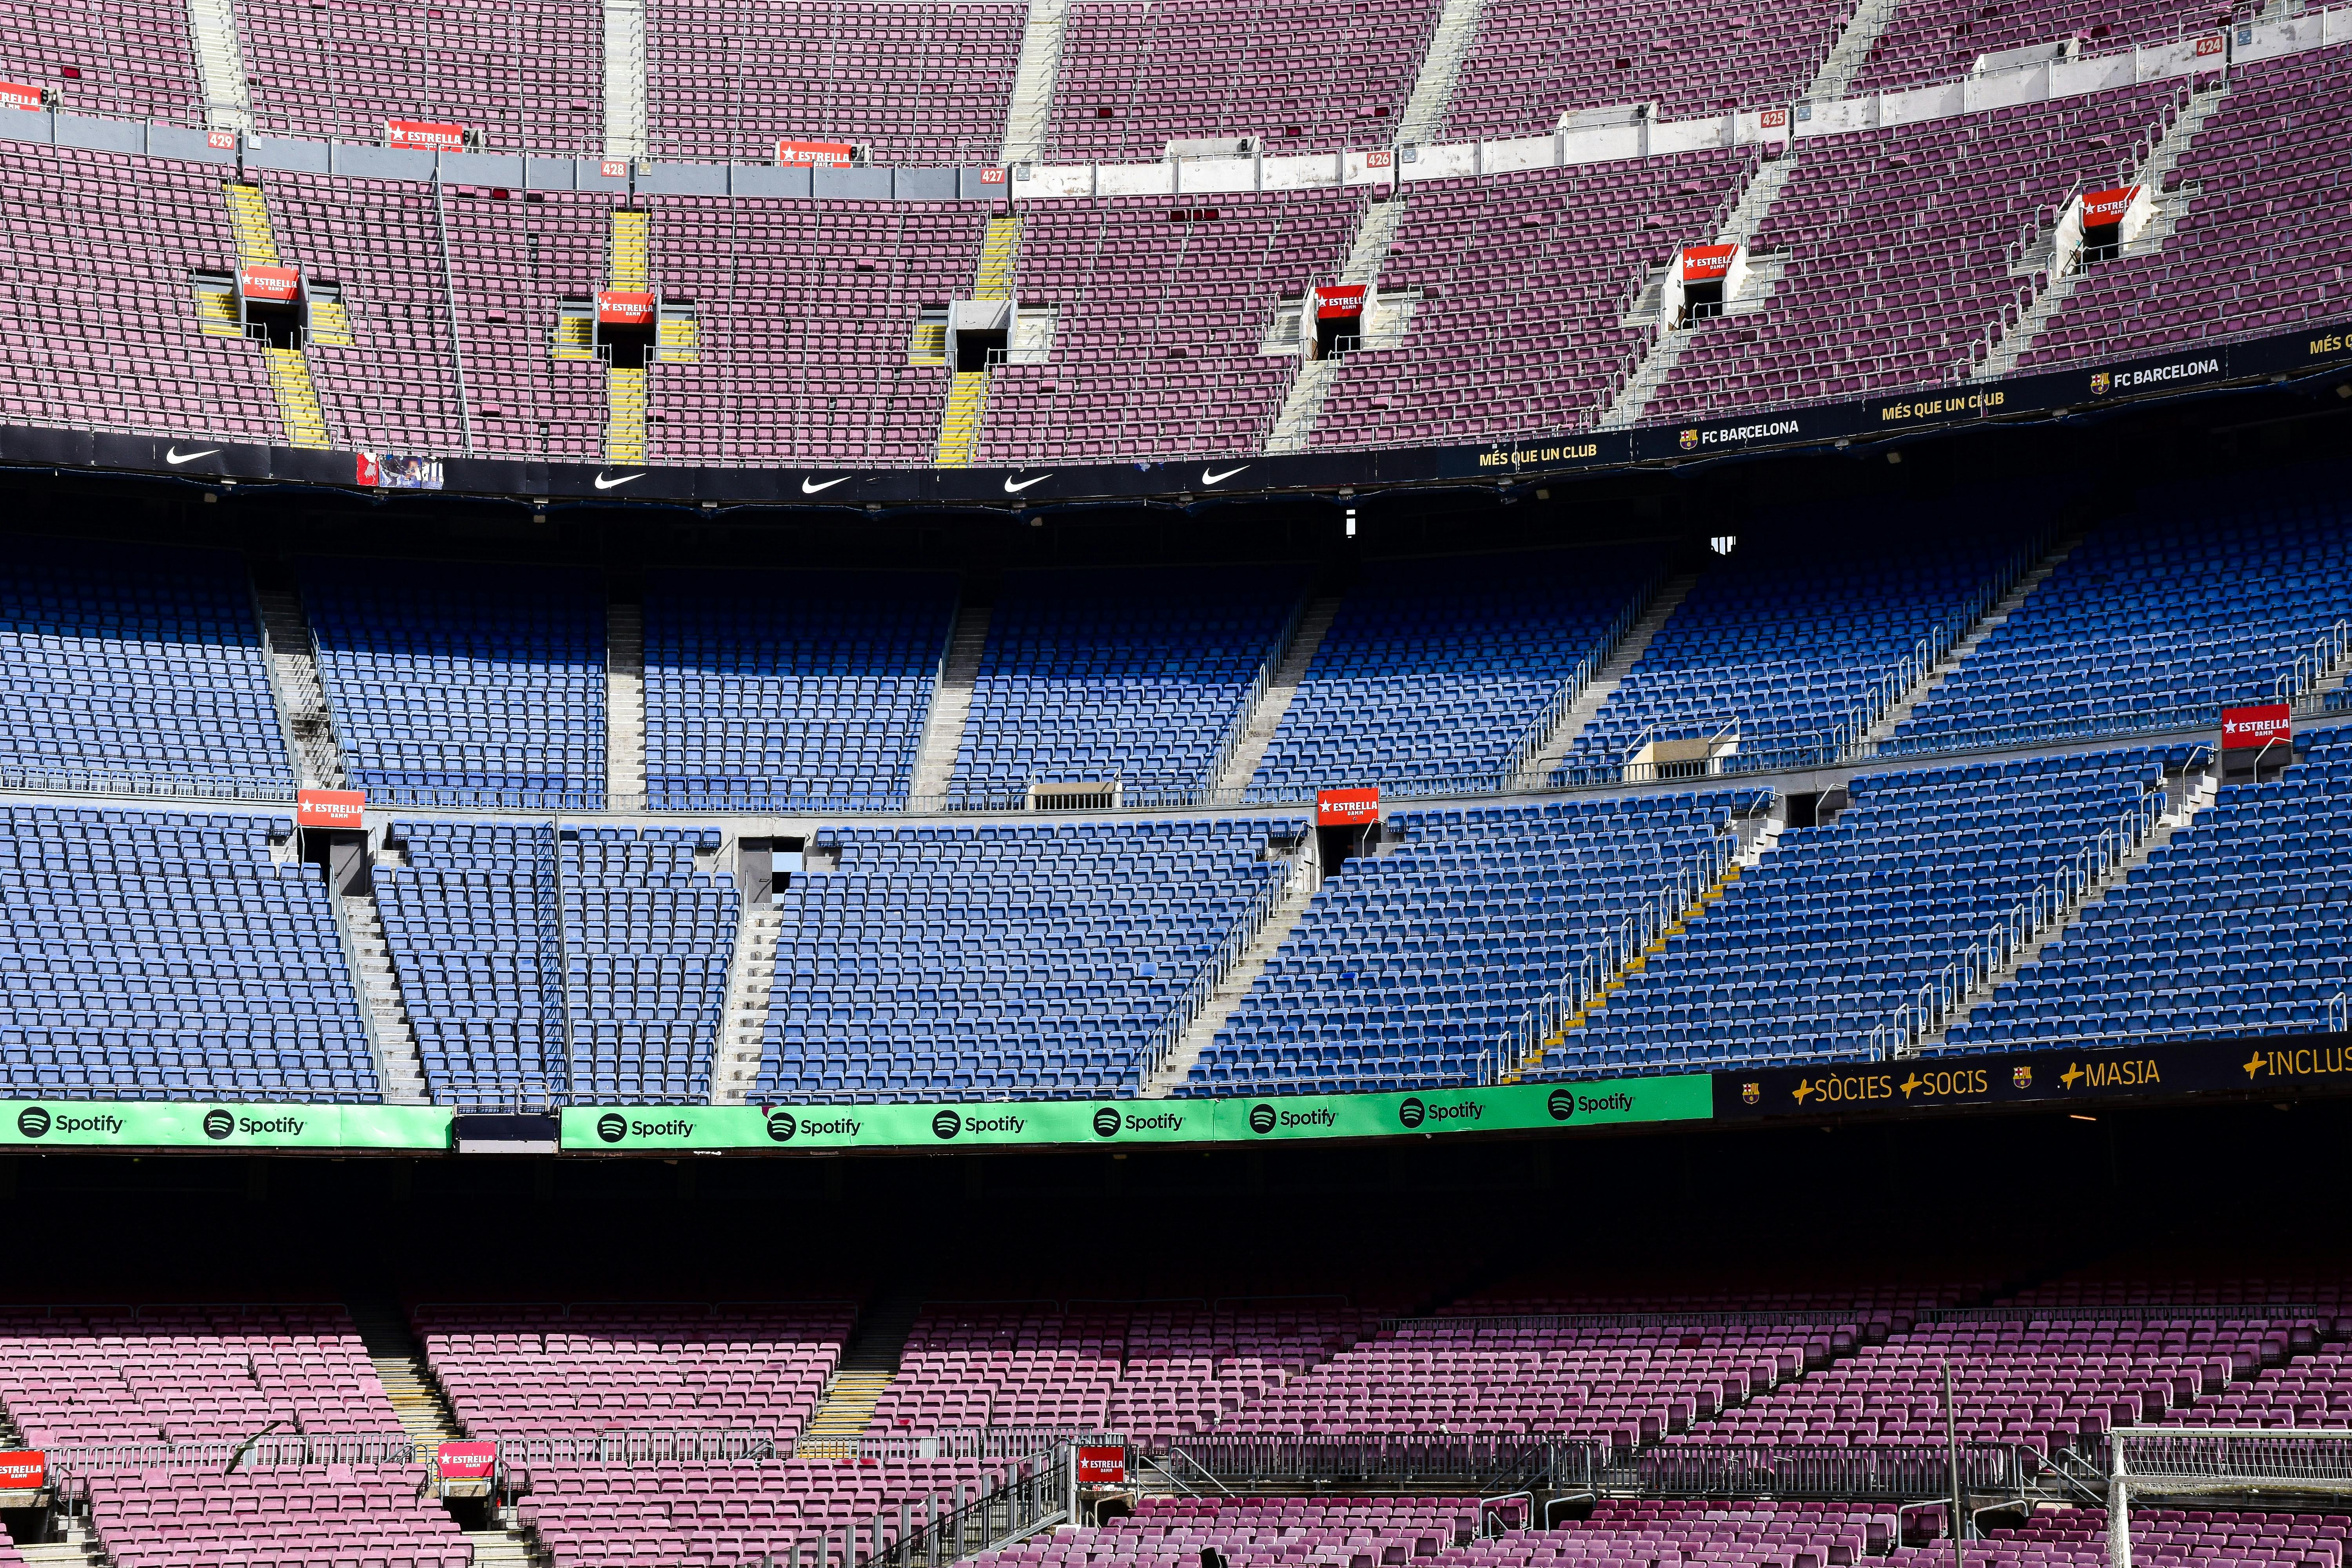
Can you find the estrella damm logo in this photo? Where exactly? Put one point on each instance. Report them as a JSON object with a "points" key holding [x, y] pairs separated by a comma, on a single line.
{"points": [[1411, 1112], [781, 1126], [218, 1124], [611, 1127], [1561, 1104], [33, 1122], [946, 1124], [1107, 1122], [1261, 1118]]}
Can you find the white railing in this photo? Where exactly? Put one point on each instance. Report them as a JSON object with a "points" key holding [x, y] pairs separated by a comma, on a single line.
{"points": [[2316, 663], [1203, 987], [1604, 962], [1996, 951], [1238, 731], [1537, 734], [1906, 673]]}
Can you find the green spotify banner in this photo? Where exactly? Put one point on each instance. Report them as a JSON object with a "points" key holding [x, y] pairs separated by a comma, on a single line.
{"points": [[996, 1124], [196, 1124]]}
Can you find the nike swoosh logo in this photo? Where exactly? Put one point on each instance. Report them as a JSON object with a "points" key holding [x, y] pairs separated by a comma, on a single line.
{"points": [[1013, 488], [810, 487], [1208, 478], [174, 455], [604, 484]]}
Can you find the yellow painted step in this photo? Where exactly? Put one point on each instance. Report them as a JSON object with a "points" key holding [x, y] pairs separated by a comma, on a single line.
{"points": [[248, 218], [297, 399], [331, 324], [998, 252], [679, 338], [575, 337], [632, 259], [960, 425], [846, 1410], [625, 416], [1708, 895], [929, 344], [216, 314]]}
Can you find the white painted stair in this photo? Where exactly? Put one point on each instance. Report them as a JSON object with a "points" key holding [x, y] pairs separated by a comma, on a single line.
{"points": [[380, 993], [2199, 795], [318, 759], [220, 65], [743, 1024], [1314, 624], [625, 706], [1031, 112], [1535, 773], [1305, 877], [950, 704], [1903, 707]]}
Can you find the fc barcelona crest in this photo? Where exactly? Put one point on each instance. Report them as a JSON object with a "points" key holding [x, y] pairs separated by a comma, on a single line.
{"points": [[2022, 1076]]}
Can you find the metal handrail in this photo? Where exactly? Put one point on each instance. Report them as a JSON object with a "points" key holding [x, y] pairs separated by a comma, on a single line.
{"points": [[1154, 1055], [1538, 732], [1995, 952], [1238, 731]]}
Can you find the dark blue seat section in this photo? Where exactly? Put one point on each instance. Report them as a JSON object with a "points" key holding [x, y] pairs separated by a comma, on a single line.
{"points": [[1793, 644], [1413, 966], [464, 685], [2202, 598], [2234, 926], [471, 924], [120, 669], [1132, 675], [169, 955], [804, 690], [941, 962], [1434, 669], [1839, 925]]}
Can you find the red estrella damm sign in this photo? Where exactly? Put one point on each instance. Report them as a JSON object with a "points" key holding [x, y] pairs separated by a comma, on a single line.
{"points": [[24, 1469], [330, 808], [2242, 728], [623, 307], [467, 1461], [1102, 1466], [1347, 807], [16, 95], [813, 154], [275, 284], [425, 135]]}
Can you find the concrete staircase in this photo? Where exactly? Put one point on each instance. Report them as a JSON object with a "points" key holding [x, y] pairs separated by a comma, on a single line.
{"points": [[318, 759], [220, 65], [1698, 911], [1424, 119], [399, 1364], [959, 417], [1031, 112], [952, 703], [299, 411], [1941, 670], [1305, 876], [629, 262], [869, 1364], [624, 705], [2198, 794], [744, 1028], [627, 400], [1536, 772], [404, 1065], [1302, 405], [1314, 624], [624, 78], [506, 1545], [78, 1548], [1830, 81], [2170, 208]]}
